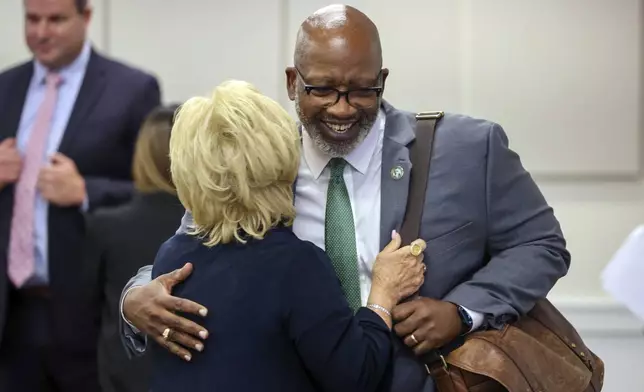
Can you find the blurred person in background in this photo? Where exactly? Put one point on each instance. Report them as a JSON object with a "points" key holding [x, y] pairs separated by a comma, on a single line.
{"points": [[120, 238], [285, 323], [68, 123]]}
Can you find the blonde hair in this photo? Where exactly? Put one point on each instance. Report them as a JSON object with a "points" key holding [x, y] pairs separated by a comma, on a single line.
{"points": [[151, 164], [234, 158]]}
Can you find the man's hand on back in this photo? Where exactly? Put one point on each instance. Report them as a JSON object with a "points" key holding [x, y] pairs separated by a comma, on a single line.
{"points": [[151, 309]]}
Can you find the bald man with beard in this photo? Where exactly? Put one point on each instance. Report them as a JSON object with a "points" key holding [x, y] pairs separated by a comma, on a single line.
{"points": [[494, 246]]}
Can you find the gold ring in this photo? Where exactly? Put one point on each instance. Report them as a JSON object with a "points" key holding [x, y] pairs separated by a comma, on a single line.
{"points": [[166, 333], [413, 338], [416, 249]]}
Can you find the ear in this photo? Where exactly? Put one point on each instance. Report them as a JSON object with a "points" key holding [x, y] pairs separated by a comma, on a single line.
{"points": [[87, 15], [385, 73], [291, 82]]}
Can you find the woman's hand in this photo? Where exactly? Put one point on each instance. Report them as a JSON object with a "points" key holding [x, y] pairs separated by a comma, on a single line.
{"points": [[397, 272]]}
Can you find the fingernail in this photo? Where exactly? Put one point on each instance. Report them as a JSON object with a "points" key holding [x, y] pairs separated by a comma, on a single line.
{"points": [[393, 234], [203, 334], [203, 312], [187, 358], [199, 347]]}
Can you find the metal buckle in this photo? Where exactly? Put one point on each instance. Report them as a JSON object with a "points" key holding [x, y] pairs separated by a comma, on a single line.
{"points": [[442, 360], [429, 115]]}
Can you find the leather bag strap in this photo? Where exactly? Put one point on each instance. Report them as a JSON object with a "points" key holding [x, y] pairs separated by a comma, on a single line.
{"points": [[420, 154]]}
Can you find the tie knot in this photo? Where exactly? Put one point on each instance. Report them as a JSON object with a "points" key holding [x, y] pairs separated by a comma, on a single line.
{"points": [[53, 79], [337, 168]]}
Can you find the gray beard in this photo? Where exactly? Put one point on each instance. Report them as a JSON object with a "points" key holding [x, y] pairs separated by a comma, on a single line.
{"points": [[334, 150]]}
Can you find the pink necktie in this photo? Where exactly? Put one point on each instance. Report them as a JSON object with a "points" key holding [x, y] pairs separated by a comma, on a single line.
{"points": [[21, 242]]}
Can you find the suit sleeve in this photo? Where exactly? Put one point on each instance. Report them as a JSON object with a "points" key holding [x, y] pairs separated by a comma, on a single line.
{"points": [[525, 245], [102, 191], [133, 340], [94, 264], [341, 352]]}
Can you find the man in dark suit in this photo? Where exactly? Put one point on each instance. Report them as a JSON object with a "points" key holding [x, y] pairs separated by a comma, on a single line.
{"points": [[68, 124], [494, 246]]}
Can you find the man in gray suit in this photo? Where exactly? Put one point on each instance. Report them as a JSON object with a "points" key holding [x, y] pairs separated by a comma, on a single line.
{"points": [[494, 246]]}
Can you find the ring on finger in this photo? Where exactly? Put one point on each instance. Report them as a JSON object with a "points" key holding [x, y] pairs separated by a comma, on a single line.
{"points": [[416, 249], [414, 338], [166, 333]]}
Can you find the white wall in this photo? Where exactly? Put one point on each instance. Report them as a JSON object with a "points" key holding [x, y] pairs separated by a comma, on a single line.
{"points": [[564, 78]]}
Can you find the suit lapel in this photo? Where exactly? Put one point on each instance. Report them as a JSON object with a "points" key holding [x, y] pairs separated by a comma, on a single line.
{"points": [[13, 104], [396, 167], [88, 95]]}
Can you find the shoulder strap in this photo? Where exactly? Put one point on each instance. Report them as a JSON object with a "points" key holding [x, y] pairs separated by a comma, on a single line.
{"points": [[420, 154]]}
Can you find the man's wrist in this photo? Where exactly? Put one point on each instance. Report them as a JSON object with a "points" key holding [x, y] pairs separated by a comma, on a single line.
{"points": [[476, 317], [135, 329], [466, 320]]}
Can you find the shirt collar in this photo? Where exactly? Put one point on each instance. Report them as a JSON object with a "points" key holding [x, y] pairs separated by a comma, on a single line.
{"points": [[76, 66], [358, 158]]}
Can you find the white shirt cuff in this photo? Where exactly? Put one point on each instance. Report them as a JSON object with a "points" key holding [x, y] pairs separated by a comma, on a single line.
{"points": [[85, 205], [477, 319], [134, 329]]}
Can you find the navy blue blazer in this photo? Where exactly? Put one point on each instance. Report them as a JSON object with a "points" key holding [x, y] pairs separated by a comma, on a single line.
{"points": [[112, 102], [278, 321]]}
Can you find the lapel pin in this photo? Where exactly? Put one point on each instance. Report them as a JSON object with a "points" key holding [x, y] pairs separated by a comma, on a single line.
{"points": [[397, 172]]}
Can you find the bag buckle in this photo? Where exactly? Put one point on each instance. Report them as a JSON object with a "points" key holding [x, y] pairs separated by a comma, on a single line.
{"points": [[444, 363], [429, 115]]}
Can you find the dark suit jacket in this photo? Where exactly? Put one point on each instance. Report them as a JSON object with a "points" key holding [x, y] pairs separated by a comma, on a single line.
{"points": [[278, 321], [121, 240], [112, 102]]}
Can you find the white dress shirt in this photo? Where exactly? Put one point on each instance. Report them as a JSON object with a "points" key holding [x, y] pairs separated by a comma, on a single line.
{"points": [[362, 178]]}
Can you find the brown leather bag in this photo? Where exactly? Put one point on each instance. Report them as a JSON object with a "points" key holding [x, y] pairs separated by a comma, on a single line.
{"points": [[541, 352]]}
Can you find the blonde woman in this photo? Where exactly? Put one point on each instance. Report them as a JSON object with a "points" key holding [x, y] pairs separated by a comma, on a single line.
{"points": [[120, 237], [277, 316]]}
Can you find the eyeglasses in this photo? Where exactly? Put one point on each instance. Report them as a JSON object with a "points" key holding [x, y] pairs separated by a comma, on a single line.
{"points": [[362, 98]]}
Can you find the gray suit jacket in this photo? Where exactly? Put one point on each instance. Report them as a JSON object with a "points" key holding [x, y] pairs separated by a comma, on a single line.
{"points": [[493, 244]]}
